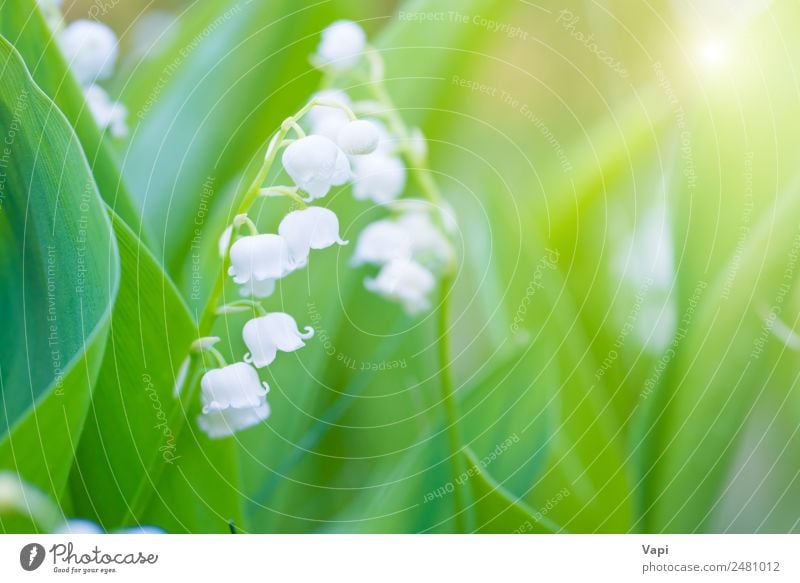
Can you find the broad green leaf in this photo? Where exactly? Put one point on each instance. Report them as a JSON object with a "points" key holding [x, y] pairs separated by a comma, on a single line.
{"points": [[23, 25], [61, 275]]}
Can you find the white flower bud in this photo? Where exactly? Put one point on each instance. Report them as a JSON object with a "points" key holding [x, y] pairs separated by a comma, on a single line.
{"points": [[225, 241], [314, 163], [378, 177], [266, 335], [342, 174], [359, 137], [260, 257], [418, 144], [380, 242], [341, 46], [312, 228], [90, 49], [326, 120], [234, 398], [109, 115], [405, 281]]}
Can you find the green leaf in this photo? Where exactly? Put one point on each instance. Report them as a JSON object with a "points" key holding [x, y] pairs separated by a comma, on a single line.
{"points": [[497, 510], [61, 275], [700, 408], [23, 25]]}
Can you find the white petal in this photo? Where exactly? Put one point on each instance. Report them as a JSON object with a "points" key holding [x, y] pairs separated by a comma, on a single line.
{"points": [[342, 44], [359, 137], [260, 257], [224, 422], [428, 245], [107, 114], [405, 281], [312, 163], [257, 289], [378, 177], [236, 385], [90, 49], [225, 241], [326, 120], [342, 174], [265, 335], [311, 228], [381, 242]]}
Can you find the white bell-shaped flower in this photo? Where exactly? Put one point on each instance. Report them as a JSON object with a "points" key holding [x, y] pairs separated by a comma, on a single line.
{"points": [[259, 257], [314, 163], [378, 177], [312, 228], [109, 115], [327, 120], [257, 289], [428, 245], [359, 137], [405, 281], [234, 398], [266, 335], [342, 45], [381, 242], [217, 423], [90, 49], [342, 174]]}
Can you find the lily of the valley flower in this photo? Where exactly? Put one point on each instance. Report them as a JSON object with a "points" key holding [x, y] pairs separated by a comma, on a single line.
{"points": [[327, 120], [405, 281], [342, 45], [109, 115], [428, 245], [315, 163], [83, 526], [312, 228], [259, 258], [234, 398], [266, 335], [382, 241], [358, 137], [90, 48], [378, 177], [257, 289]]}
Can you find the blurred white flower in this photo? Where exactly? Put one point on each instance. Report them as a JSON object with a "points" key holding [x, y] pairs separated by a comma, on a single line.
{"points": [[234, 398], [359, 137], [260, 257], [78, 526], [90, 49], [326, 120], [315, 163], [312, 228], [342, 45], [266, 335], [143, 529], [378, 177], [405, 281], [418, 144], [382, 241], [109, 115], [225, 241], [51, 9], [428, 245]]}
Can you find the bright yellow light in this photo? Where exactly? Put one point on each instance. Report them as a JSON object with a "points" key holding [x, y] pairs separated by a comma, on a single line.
{"points": [[713, 52]]}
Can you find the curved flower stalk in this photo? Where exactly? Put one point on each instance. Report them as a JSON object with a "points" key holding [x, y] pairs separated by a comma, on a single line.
{"points": [[325, 145], [91, 49]]}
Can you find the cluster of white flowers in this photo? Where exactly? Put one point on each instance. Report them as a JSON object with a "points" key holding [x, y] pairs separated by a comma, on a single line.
{"points": [[91, 49], [335, 148]]}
